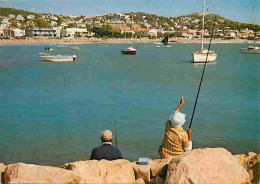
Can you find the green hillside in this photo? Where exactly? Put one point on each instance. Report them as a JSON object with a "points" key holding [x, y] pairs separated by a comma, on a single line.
{"points": [[7, 11]]}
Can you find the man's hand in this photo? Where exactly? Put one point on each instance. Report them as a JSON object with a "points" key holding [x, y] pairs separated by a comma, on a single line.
{"points": [[183, 102], [189, 131]]}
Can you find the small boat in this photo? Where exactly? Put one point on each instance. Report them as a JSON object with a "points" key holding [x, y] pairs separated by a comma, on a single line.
{"points": [[130, 51], [201, 55], [43, 53], [59, 58], [48, 48], [251, 49], [74, 48]]}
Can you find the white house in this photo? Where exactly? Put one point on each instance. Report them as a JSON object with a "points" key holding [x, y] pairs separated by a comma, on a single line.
{"points": [[74, 32], [30, 17], [17, 32], [11, 16], [54, 23], [19, 18]]}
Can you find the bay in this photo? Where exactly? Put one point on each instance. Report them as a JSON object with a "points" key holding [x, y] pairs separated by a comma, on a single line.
{"points": [[54, 113]]}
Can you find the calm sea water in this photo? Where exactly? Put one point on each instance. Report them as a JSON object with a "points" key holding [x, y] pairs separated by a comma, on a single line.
{"points": [[53, 113]]}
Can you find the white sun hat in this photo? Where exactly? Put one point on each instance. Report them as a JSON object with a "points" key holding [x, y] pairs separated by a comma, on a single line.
{"points": [[178, 119]]}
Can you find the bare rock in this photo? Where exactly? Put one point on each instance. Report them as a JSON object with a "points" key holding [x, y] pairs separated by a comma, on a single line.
{"points": [[207, 166], [2, 172], [142, 171], [159, 166], [139, 181], [30, 173], [93, 171], [250, 162]]}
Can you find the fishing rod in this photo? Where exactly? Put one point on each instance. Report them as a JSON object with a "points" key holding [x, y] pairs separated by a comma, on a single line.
{"points": [[115, 134], [212, 33]]}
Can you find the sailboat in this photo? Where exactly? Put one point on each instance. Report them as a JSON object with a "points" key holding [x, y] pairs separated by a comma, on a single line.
{"points": [[201, 55], [251, 49], [130, 50]]}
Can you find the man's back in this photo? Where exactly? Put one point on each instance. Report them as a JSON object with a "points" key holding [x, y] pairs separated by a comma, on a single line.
{"points": [[107, 152]]}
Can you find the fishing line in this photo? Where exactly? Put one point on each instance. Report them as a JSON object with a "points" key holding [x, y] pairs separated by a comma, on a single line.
{"points": [[195, 105], [4, 64], [115, 134]]}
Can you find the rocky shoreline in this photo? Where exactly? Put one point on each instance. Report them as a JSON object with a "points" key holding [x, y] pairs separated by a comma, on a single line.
{"points": [[208, 165]]}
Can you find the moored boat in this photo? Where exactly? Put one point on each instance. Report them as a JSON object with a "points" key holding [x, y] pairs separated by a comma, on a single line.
{"points": [[74, 48], [130, 51], [204, 55], [201, 56], [48, 48], [59, 58], [251, 49]]}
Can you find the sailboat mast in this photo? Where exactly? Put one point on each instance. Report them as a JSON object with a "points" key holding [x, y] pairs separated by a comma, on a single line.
{"points": [[203, 17], [132, 31], [254, 23]]}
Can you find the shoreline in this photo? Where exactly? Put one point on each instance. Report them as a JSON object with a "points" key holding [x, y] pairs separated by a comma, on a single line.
{"points": [[86, 41]]}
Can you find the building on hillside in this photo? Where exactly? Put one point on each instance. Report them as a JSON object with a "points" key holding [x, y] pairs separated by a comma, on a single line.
{"points": [[30, 17], [11, 16], [57, 31], [186, 34], [17, 33], [54, 23], [117, 25], [40, 32], [19, 18], [74, 32], [142, 32], [154, 32], [126, 30]]}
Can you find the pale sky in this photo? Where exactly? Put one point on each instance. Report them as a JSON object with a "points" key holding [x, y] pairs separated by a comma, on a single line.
{"points": [[237, 10]]}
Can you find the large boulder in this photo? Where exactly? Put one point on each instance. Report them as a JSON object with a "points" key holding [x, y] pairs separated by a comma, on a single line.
{"points": [[30, 173], [93, 171], [159, 166], [207, 166], [251, 162], [142, 171], [2, 172]]}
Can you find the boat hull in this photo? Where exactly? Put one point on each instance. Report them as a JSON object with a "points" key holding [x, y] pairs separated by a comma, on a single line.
{"points": [[58, 59], [129, 52], [201, 57], [250, 51]]}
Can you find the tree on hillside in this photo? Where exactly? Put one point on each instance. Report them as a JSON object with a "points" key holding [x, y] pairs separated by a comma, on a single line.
{"points": [[106, 31], [41, 23]]}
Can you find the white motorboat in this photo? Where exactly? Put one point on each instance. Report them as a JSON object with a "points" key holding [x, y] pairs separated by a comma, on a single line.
{"points": [[74, 48], [251, 49], [201, 55], [59, 58]]}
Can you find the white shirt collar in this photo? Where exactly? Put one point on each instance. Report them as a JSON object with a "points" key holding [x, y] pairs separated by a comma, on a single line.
{"points": [[107, 143]]}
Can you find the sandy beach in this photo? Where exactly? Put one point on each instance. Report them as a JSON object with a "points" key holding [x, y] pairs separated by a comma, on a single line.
{"points": [[112, 40]]}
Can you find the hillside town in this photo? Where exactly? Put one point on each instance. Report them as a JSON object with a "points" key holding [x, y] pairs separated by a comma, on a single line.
{"points": [[119, 25]]}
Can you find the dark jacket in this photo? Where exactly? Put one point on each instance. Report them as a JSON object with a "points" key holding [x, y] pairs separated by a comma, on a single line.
{"points": [[107, 152]]}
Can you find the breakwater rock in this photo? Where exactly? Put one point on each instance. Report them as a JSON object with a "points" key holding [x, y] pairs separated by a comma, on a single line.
{"points": [[209, 165]]}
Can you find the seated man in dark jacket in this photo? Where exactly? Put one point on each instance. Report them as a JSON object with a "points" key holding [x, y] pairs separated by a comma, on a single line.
{"points": [[106, 151]]}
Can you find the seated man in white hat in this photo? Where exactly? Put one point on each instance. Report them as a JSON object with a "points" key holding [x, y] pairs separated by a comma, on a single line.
{"points": [[176, 141], [106, 151]]}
